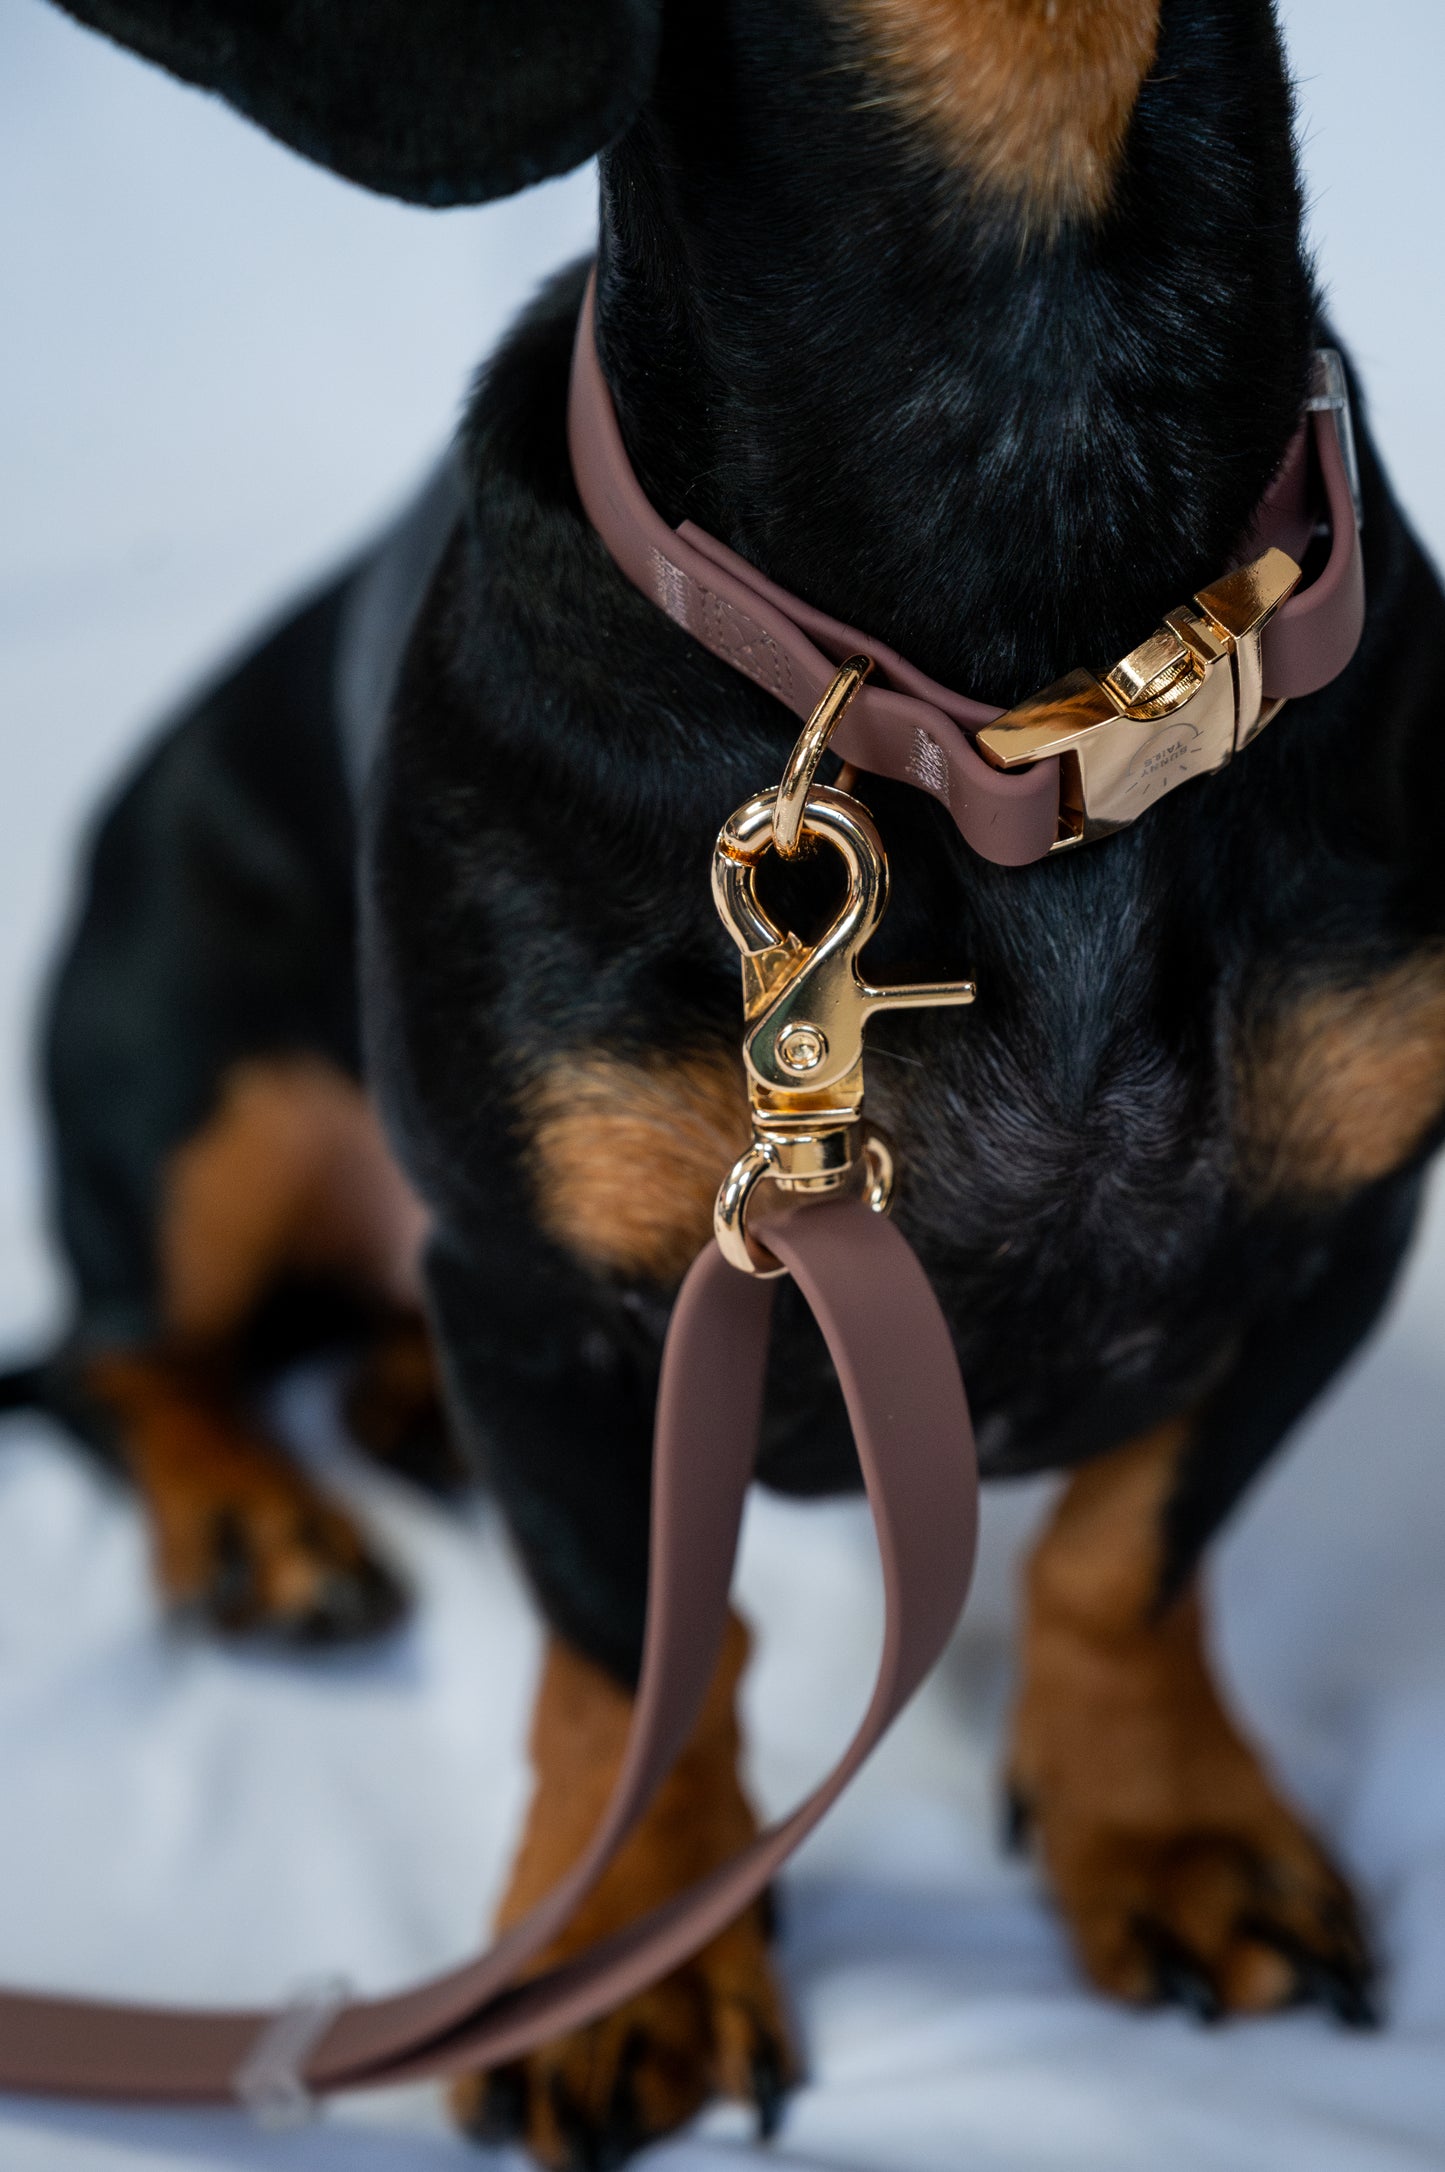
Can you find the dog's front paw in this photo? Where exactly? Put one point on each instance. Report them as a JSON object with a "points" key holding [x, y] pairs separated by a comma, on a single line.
{"points": [[1223, 1912], [1180, 1871], [278, 1564], [588, 2100], [715, 2027], [242, 1541]]}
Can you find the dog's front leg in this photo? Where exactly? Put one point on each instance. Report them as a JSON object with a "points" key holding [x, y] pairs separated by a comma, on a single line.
{"points": [[716, 2026], [557, 1397], [1180, 1870]]}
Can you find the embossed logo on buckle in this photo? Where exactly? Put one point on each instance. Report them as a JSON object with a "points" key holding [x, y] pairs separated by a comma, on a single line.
{"points": [[1181, 705]]}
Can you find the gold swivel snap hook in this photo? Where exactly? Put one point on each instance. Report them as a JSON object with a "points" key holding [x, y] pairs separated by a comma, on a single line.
{"points": [[806, 1004]]}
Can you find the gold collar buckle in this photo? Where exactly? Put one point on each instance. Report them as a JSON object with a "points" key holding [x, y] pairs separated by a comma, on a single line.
{"points": [[1179, 706]]}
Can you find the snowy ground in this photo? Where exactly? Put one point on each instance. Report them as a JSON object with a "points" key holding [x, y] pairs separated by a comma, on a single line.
{"points": [[218, 367]]}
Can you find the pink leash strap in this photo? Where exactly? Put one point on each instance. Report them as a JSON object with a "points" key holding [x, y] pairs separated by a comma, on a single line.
{"points": [[899, 1374], [903, 724]]}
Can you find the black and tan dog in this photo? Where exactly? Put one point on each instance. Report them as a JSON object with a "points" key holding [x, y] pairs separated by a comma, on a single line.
{"points": [[983, 324]]}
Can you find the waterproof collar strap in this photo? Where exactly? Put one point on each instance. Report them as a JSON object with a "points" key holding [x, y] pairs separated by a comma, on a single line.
{"points": [[1071, 764]]}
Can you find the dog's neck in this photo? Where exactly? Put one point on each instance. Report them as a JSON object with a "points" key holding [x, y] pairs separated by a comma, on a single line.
{"points": [[1002, 409]]}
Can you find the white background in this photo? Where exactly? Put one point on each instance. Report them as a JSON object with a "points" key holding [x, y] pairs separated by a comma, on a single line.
{"points": [[217, 367]]}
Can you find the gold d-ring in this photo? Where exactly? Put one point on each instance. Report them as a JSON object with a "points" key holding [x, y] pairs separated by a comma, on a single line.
{"points": [[811, 747]]}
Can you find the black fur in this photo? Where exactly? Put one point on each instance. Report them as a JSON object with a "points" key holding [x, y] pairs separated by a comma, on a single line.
{"points": [[220, 898], [437, 101], [1006, 456], [825, 351]]}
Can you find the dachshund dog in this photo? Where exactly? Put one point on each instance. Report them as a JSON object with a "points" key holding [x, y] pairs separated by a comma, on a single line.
{"points": [[985, 325]]}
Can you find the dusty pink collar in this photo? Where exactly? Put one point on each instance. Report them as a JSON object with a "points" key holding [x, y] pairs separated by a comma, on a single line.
{"points": [[904, 724]]}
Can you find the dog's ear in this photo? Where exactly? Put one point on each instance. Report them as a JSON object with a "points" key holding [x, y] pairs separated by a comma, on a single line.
{"points": [[437, 101]]}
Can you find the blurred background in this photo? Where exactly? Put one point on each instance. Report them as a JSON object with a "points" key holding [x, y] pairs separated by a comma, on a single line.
{"points": [[218, 369]]}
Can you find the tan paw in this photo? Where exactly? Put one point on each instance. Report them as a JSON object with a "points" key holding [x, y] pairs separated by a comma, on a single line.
{"points": [[589, 2100], [280, 1564], [241, 1540], [716, 2027], [1242, 1915], [1180, 1871]]}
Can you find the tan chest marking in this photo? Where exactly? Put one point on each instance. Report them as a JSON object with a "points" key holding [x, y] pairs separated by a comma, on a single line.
{"points": [[1343, 1085], [1033, 97], [627, 1157]]}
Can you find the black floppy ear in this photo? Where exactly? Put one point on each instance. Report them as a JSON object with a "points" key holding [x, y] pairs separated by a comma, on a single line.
{"points": [[437, 101]]}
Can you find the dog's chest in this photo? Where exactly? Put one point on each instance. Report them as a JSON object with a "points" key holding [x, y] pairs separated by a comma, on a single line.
{"points": [[1106, 1194], [1110, 1211], [1193, 1048]]}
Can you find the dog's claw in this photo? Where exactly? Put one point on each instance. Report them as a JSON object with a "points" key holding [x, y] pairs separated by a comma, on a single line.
{"points": [[352, 1604], [231, 1599], [769, 2089], [620, 2134], [344, 1595], [1016, 1822], [585, 2147], [1180, 1977], [1348, 1991], [500, 2112], [1341, 1981]]}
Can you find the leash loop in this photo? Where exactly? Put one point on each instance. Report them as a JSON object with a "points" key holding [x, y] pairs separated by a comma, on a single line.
{"points": [[269, 2082]]}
